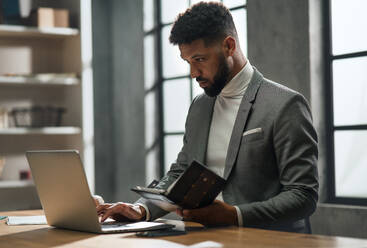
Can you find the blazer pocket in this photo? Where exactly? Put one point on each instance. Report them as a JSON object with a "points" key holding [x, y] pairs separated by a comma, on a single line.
{"points": [[253, 135]]}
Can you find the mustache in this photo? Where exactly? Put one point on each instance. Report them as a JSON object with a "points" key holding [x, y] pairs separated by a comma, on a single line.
{"points": [[201, 79]]}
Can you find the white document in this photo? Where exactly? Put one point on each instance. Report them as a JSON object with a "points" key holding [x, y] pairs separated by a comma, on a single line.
{"points": [[159, 243], [206, 244], [26, 220]]}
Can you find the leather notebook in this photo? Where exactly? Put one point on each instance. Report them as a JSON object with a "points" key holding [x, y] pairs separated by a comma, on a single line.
{"points": [[196, 187]]}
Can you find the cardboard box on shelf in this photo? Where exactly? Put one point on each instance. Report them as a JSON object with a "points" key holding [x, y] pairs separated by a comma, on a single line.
{"points": [[49, 17]]}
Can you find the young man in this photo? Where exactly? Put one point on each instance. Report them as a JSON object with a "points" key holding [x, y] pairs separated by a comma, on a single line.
{"points": [[255, 133]]}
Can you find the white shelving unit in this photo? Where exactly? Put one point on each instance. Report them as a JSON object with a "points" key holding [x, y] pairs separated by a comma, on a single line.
{"points": [[41, 131], [12, 184], [26, 81], [32, 50], [21, 31]]}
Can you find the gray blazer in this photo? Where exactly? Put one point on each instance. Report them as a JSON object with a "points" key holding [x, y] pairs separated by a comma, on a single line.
{"points": [[271, 161]]}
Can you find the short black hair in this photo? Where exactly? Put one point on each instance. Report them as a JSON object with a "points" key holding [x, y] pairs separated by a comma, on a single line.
{"points": [[210, 21]]}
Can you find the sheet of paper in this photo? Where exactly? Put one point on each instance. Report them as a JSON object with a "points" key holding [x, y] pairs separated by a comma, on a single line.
{"points": [[206, 244], [26, 220], [123, 242], [179, 224], [160, 243]]}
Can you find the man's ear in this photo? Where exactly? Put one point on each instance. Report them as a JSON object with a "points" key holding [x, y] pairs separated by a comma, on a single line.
{"points": [[229, 46]]}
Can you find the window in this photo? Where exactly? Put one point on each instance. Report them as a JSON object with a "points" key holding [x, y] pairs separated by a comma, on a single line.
{"points": [[169, 88], [347, 86]]}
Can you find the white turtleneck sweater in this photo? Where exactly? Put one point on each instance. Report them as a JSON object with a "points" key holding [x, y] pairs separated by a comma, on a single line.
{"points": [[225, 111]]}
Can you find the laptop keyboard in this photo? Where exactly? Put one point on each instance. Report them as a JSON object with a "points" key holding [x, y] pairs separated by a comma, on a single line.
{"points": [[113, 223]]}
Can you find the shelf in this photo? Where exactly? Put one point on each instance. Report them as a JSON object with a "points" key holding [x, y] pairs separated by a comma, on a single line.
{"points": [[46, 67], [40, 131], [24, 81], [16, 184], [17, 31]]}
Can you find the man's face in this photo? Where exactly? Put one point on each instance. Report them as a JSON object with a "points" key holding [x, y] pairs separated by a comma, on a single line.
{"points": [[207, 64]]}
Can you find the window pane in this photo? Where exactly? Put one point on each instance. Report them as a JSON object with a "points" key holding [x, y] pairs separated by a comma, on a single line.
{"points": [[151, 120], [176, 102], [152, 166], [196, 89], [173, 65], [149, 62], [233, 3], [240, 20], [171, 8], [349, 33], [350, 90], [148, 15], [172, 145], [350, 163]]}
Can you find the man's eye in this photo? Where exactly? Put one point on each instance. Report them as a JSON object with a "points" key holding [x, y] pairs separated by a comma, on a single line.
{"points": [[200, 59]]}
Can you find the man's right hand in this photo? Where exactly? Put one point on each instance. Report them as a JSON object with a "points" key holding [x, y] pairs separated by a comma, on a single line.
{"points": [[121, 211]]}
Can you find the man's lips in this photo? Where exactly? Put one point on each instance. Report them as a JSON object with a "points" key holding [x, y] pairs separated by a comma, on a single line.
{"points": [[203, 84]]}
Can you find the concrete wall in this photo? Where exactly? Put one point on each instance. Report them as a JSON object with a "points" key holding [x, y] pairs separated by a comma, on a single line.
{"points": [[340, 220], [285, 44], [119, 97], [318, 89], [104, 159], [278, 41]]}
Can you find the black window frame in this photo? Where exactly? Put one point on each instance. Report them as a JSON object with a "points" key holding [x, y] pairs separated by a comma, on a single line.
{"points": [[331, 128]]}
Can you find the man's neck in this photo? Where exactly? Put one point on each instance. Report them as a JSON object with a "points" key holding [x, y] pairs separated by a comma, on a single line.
{"points": [[239, 61]]}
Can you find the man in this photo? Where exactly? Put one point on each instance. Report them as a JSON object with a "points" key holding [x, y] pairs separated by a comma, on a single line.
{"points": [[255, 133]]}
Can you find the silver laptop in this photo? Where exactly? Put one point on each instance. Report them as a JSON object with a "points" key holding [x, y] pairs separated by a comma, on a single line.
{"points": [[65, 196]]}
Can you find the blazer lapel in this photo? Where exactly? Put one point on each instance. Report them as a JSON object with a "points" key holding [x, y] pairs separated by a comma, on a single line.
{"points": [[241, 120], [203, 121]]}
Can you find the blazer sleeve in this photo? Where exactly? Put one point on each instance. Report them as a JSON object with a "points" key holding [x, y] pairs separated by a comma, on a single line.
{"points": [[295, 146], [175, 171]]}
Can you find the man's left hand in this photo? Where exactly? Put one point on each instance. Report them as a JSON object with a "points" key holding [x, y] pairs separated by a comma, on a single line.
{"points": [[216, 214]]}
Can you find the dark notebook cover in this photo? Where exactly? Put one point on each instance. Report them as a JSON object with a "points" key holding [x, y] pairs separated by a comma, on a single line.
{"points": [[196, 187]]}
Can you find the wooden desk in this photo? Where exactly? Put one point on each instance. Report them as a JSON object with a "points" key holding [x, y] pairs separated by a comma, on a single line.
{"points": [[45, 236]]}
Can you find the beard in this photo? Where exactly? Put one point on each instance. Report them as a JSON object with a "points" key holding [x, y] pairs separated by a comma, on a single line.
{"points": [[220, 79]]}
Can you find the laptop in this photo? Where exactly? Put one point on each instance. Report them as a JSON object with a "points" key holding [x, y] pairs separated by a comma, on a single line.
{"points": [[65, 196]]}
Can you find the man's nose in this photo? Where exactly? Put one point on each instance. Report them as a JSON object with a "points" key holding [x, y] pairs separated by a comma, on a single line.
{"points": [[194, 72]]}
